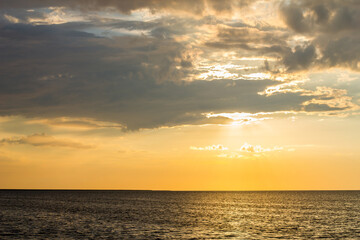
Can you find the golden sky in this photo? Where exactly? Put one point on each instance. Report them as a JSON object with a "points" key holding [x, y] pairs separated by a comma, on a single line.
{"points": [[180, 95]]}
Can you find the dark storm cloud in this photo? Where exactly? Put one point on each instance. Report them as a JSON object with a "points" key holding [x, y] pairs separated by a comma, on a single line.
{"points": [[335, 26], [294, 18], [51, 71], [126, 6], [342, 51], [269, 42], [321, 16], [332, 28], [300, 58], [251, 35], [138, 82], [250, 38]]}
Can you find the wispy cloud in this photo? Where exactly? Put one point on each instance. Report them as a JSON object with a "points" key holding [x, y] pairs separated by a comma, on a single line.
{"points": [[242, 118], [230, 155], [217, 147], [43, 140], [75, 123], [248, 148]]}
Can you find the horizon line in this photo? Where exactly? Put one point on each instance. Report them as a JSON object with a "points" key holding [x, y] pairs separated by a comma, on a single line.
{"points": [[165, 190]]}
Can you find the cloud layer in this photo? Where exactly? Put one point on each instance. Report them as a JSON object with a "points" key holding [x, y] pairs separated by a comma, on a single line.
{"points": [[42, 140], [146, 73]]}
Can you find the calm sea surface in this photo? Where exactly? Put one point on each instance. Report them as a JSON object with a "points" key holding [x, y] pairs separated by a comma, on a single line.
{"points": [[179, 215]]}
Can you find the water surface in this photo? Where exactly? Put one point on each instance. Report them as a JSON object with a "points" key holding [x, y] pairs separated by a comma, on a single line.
{"points": [[179, 215]]}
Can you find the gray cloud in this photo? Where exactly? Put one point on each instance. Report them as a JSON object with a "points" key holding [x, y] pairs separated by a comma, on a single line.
{"points": [[51, 71], [294, 18], [335, 26], [134, 81], [322, 108], [271, 43], [300, 58], [41, 140], [252, 35], [321, 16], [127, 6], [331, 25], [341, 51]]}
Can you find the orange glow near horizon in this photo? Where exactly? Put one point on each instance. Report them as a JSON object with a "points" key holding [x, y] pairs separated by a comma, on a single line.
{"points": [[179, 95]]}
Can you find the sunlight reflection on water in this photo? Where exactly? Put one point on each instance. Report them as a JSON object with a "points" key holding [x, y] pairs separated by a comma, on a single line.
{"points": [[179, 215]]}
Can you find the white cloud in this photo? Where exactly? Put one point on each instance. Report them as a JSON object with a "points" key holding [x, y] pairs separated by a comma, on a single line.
{"points": [[230, 155], [217, 147], [245, 151], [257, 148]]}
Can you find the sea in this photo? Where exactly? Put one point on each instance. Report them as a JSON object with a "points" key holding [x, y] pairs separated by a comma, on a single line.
{"points": [[98, 214]]}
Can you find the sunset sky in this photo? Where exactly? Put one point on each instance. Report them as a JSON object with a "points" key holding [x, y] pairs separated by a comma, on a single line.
{"points": [[180, 95]]}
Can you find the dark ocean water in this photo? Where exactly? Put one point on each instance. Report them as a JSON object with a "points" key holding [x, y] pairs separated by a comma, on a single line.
{"points": [[179, 215]]}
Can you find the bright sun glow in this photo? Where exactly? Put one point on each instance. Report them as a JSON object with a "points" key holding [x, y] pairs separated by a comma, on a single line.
{"points": [[180, 95]]}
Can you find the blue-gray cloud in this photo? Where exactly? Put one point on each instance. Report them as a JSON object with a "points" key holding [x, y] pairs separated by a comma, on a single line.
{"points": [[334, 27], [198, 7], [138, 81], [49, 71]]}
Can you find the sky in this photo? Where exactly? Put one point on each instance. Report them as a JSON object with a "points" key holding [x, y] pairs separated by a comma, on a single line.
{"points": [[180, 95]]}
